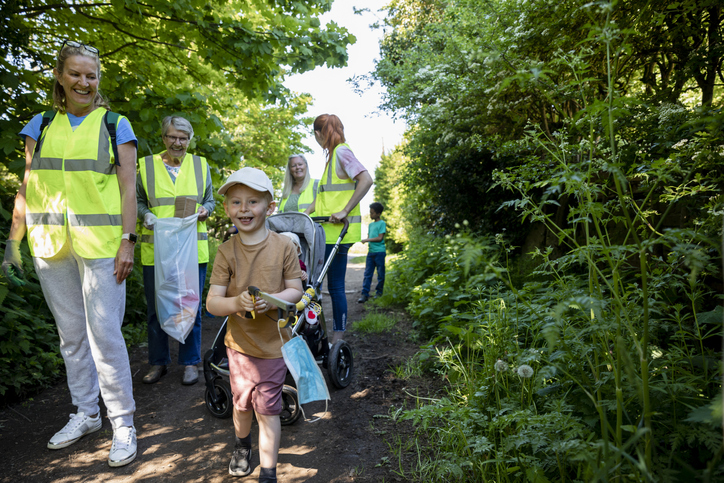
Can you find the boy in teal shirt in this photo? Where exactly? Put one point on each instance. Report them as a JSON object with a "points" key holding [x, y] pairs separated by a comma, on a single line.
{"points": [[376, 254]]}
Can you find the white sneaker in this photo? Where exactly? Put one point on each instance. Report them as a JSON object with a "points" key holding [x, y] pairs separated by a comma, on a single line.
{"points": [[123, 449], [78, 426]]}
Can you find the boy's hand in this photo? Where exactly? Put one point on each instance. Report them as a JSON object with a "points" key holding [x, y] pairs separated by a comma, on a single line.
{"points": [[247, 303], [304, 276]]}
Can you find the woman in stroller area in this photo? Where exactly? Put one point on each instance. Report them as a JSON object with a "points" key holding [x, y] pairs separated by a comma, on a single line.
{"points": [[299, 189], [343, 185]]}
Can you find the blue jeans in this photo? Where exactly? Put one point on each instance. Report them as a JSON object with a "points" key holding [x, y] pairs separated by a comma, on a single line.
{"points": [[374, 260], [159, 354], [335, 283]]}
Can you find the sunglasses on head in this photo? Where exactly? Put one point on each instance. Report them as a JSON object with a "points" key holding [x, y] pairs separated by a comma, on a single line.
{"points": [[76, 44]]}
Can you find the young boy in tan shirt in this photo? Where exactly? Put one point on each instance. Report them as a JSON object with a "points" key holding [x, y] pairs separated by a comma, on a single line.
{"points": [[267, 260]]}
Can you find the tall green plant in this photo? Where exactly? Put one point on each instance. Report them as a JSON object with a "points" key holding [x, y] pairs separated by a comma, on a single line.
{"points": [[620, 321]]}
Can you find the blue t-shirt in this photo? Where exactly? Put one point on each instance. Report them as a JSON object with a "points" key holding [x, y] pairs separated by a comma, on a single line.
{"points": [[376, 228], [124, 131]]}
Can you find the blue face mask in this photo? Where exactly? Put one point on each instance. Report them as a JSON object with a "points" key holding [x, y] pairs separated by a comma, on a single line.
{"points": [[305, 371]]}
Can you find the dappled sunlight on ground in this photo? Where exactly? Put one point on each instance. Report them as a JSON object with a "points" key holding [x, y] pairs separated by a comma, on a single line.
{"points": [[296, 450], [361, 394], [180, 441]]}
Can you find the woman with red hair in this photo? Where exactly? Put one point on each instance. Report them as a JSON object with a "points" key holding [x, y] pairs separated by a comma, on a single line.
{"points": [[343, 185]]}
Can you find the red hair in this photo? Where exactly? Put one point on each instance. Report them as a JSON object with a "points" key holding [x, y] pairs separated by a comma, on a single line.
{"points": [[331, 130]]}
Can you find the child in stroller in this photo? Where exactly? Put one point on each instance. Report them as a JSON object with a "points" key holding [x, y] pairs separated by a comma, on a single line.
{"points": [[309, 324]]}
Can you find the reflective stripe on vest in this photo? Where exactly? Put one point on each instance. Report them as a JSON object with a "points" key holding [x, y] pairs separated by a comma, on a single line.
{"points": [[332, 197], [161, 193], [73, 177], [306, 197]]}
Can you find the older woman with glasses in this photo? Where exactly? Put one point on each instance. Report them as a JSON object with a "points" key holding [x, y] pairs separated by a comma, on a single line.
{"points": [[164, 179], [77, 204]]}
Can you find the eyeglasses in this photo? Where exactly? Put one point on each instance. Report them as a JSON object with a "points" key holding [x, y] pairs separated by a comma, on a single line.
{"points": [[77, 45], [177, 139]]}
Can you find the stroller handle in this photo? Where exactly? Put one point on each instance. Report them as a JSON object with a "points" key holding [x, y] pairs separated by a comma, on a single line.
{"points": [[325, 219]]}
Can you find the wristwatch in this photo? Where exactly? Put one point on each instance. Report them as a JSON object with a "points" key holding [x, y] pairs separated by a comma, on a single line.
{"points": [[131, 237]]}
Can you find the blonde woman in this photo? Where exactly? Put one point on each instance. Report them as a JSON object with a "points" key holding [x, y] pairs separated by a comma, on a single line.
{"points": [[77, 203], [299, 190]]}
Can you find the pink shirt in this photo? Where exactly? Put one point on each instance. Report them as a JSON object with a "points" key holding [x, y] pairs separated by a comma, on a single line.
{"points": [[348, 166]]}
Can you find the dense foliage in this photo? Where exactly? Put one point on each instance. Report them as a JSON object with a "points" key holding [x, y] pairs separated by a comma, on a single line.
{"points": [[471, 76], [596, 355], [219, 64]]}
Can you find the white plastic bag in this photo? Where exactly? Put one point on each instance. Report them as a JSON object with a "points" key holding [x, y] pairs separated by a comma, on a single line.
{"points": [[175, 250]]}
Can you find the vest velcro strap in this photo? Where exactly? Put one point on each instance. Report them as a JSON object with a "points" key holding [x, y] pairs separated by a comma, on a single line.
{"points": [[102, 167], [45, 219], [149, 238], [47, 163], [354, 219], [303, 206], [100, 219]]}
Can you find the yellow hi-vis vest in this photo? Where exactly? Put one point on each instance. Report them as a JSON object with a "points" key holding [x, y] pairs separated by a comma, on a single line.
{"points": [[306, 197], [73, 179], [162, 193], [333, 195]]}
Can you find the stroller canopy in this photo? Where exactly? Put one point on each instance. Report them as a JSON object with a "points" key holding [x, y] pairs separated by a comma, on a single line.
{"points": [[310, 234]]}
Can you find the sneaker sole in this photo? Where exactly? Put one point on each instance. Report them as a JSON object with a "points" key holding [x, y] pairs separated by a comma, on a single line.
{"points": [[190, 383], [65, 444], [116, 464], [240, 473]]}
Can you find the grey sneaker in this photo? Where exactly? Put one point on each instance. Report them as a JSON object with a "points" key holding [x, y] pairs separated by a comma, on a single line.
{"points": [[123, 449], [78, 426], [240, 464], [191, 375]]}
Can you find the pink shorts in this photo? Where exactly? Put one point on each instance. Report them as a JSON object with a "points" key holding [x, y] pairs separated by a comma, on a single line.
{"points": [[256, 383]]}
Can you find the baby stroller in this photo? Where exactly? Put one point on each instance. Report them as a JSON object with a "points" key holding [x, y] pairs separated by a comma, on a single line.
{"points": [[306, 318]]}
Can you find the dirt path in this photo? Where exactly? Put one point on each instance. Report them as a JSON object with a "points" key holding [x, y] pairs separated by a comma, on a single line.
{"points": [[179, 440]]}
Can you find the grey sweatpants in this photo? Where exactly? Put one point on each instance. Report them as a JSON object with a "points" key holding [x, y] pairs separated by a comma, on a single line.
{"points": [[88, 306]]}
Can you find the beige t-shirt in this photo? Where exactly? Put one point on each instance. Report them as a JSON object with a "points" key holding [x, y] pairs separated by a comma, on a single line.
{"points": [[265, 265]]}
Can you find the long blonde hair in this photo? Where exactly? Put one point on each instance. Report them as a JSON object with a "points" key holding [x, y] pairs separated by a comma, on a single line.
{"points": [[332, 131], [289, 179], [59, 93]]}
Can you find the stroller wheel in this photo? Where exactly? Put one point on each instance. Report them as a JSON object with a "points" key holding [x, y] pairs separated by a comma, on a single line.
{"points": [[340, 364], [290, 406], [224, 405]]}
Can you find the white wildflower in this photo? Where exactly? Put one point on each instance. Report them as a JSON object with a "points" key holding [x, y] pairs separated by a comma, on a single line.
{"points": [[501, 365], [525, 371]]}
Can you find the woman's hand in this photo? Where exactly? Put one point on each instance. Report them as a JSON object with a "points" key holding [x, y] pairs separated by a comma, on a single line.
{"points": [[337, 217], [203, 213], [123, 264]]}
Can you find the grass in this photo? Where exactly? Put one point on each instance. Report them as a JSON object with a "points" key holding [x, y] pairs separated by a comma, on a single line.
{"points": [[375, 323], [412, 367]]}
